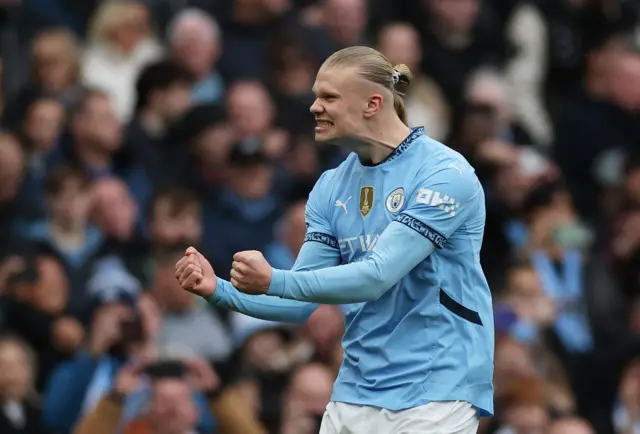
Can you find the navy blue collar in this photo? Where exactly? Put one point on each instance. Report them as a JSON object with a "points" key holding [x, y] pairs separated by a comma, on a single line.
{"points": [[402, 147]]}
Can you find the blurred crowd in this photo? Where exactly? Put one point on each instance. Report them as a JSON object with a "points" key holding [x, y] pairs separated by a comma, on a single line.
{"points": [[133, 129]]}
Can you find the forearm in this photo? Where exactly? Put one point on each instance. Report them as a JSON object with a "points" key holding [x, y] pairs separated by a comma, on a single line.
{"points": [[103, 419], [312, 256], [397, 252], [234, 415], [261, 306]]}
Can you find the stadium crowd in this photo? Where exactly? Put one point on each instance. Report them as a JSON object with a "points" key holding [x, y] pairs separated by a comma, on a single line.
{"points": [[133, 129]]}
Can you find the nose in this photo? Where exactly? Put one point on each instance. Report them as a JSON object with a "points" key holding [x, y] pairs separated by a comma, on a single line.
{"points": [[316, 108]]}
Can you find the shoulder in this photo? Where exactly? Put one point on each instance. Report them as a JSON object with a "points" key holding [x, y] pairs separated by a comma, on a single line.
{"points": [[331, 178], [446, 169]]}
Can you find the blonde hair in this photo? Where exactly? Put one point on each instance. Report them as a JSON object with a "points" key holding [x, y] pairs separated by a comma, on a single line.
{"points": [[110, 16], [376, 68]]}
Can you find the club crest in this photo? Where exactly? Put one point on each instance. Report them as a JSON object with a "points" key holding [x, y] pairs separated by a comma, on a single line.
{"points": [[395, 200], [366, 200]]}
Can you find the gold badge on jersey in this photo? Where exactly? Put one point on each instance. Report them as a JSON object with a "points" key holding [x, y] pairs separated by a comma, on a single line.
{"points": [[366, 200]]}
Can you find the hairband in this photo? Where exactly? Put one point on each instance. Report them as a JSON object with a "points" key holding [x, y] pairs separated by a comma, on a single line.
{"points": [[395, 77]]}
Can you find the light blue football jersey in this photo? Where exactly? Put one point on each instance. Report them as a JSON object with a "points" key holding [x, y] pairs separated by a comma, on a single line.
{"points": [[418, 310], [431, 336]]}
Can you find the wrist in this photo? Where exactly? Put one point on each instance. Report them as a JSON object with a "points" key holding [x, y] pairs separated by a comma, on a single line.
{"points": [[276, 286], [116, 396], [218, 292]]}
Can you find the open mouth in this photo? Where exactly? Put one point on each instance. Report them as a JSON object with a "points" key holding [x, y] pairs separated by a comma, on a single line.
{"points": [[323, 125]]}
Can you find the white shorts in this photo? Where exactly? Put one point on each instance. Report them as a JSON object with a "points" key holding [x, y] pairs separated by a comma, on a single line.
{"points": [[452, 417]]}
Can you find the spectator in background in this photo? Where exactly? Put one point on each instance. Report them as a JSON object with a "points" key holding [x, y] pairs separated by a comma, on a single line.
{"points": [[626, 415], [324, 330], [55, 64], [19, 413], [122, 329], [570, 271], [113, 210], [117, 216], [252, 116], [306, 399], [66, 233], [589, 126], [293, 71], [163, 98], [425, 103], [171, 408], [175, 220], [570, 425], [95, 135], [626, 233], [12, 169], [524, 409], [247, 27], [283, 252], [181, 314], [209, 138], [121, 44], [456, 41], [39, 132], [335, 24], [195, 43], [242, 216], [486, 87], [37, 310]]}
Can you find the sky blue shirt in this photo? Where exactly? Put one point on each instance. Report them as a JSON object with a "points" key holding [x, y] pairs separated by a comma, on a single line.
{"points": [[418, 311]]}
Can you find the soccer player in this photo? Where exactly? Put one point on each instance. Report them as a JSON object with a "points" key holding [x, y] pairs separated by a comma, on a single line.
{"points": [[394, 235]]}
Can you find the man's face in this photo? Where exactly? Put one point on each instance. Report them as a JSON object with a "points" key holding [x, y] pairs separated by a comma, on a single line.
{"points": [[341, 100], [114, 211], [195, 48], [172, 407], [11, 168], [15, 372], [175, 100], [50, 293], [400, 44], [172, 227], [167, 291], [71, 204], [44, 123], [98, 124], [460, 15], [530, 419], [250, 109]]}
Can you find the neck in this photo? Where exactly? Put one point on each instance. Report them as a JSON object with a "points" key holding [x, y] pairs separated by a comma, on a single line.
{"points": [[152, 123], [67, 234], [451, 37], [89, 156], [384, 138], [596, 86]]}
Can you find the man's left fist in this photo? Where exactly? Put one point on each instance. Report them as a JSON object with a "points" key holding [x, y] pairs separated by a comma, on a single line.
{"points": [[251, 273]]}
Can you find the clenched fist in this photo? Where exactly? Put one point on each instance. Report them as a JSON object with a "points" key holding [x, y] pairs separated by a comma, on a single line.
{"points": [[195, 274], [251, 273]]}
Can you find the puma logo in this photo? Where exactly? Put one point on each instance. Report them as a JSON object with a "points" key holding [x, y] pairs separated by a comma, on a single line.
{"points": [[343, 205]]}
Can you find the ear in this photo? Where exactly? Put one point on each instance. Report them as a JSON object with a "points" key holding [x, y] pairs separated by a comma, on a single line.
{"points": [[374, 105]]}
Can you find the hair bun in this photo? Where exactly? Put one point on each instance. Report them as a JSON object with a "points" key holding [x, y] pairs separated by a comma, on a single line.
{"points": [[404, 77]]}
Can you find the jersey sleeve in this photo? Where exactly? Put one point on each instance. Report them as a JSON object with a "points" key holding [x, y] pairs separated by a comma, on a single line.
{"points": [[312, 256], [442, 202], [317, 215]]}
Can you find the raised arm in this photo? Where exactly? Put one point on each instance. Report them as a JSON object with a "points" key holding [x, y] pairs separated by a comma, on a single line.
{"points": [[320, 250], [439, 206], [312, 256]]}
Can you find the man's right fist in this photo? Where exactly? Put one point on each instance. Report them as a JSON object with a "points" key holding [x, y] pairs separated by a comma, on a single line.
{"points": [[195, 274]]}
